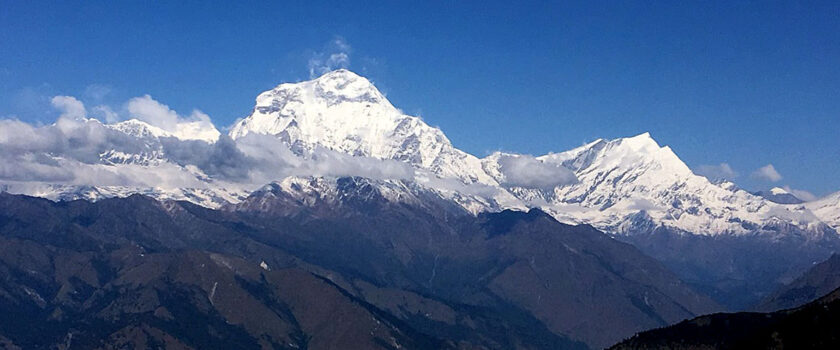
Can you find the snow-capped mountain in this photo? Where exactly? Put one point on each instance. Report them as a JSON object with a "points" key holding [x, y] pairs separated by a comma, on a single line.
{"points": [[827, 209], [191, 130], [207, 197], [336, 143], [779, 195], [622, 186], [633, 184], [333, 192], [98, 161], [344, 112]]}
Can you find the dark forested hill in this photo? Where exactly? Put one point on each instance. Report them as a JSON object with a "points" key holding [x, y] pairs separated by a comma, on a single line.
{"points": [[279, 272], [812, 326]]}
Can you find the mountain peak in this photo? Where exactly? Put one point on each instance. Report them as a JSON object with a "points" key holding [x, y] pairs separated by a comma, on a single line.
{"points": [[341, 74], [640, 142], [778, 190], [344, 112], [779, 195], [339, 86]]}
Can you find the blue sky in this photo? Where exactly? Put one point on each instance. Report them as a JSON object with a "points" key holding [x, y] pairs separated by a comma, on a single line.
{"points": [[747, 84]]}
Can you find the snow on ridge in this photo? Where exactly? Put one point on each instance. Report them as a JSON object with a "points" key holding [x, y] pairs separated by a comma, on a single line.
{"points": [[344, 112], [620, 186]]}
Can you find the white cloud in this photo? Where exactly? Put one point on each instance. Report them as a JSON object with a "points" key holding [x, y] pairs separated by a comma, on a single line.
{"points": [[642, 204], [70, 107], [270, 159], [105, 113], [147, 109], [527, 171], [335, 55], [69, 152], [721, 171], [767, 173], [801, 194], [196, 127]]}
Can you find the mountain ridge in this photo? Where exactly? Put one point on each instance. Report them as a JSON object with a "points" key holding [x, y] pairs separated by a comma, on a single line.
{"points": [[340, 125], [606, 183]]}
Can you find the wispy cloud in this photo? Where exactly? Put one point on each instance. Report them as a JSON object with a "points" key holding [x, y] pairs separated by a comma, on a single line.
{"points": [[70, 107], [97, 92], [767, 173], [801, 194], [335, 55], [104, 113], [722, 171]]}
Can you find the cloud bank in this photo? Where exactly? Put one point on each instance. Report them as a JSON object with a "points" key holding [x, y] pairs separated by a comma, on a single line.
{"points": [[157, 147], [801, 194]]}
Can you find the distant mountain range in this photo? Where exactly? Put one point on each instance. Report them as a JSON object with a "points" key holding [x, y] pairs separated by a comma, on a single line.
{"points": [[814, 283], [731, 244], [812, 326], [779, 195], [316, 262], [604, 183]]}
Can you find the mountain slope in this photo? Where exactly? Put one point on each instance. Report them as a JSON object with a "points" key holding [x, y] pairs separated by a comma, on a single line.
{"points": [[779, 195], [622, 186], [620, 179], [523, 260], [818, 280], [715, 236], [400, 253], [134, 271], [344, 112], [728, 243], [617, 179], [813, 326], [827, 209]]}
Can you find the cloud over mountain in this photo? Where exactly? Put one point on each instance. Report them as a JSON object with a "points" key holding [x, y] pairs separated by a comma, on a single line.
{"points": [[528, 171], [767, 173], [197, 126], [160, 148], [341, 125], [722, 171], [336, 54]]}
